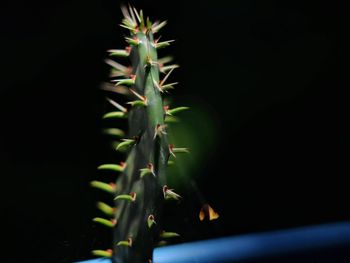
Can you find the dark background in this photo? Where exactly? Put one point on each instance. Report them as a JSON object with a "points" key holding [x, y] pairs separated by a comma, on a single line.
{"points": [[272, 74]]}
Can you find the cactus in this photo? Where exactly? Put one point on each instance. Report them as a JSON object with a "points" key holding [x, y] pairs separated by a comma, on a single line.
{"points": [[140, 189]]}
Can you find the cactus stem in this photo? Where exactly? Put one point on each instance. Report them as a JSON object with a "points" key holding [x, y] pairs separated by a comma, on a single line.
{"points": [[150, 62], [130, 197], [170, 194]]}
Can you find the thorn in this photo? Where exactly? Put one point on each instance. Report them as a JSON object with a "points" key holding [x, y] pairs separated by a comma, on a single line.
{"points": [[102, 253], [165, 69], [118, 67], [128, 197], [157, 86], [120, 52], [174, 150], [166, 77], [150, 221], [207, 211], [137, 95], [165, 60], [164, 234], [157, 26], [130, 81], [163, 44], [175, 110], [166, 87], [170, 194], [110, 87], [142, 102], [159, 130], [117, 105], [126, 243], [137, 15]]}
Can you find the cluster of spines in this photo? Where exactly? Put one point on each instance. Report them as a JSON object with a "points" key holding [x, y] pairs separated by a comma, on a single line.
{"points": [[126, 78]]}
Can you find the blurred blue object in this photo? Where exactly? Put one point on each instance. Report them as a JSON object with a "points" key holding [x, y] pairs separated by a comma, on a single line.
{"points": [[98, 260], [258, 247]]}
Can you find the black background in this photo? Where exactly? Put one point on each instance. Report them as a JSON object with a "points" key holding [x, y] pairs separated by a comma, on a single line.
{"points": [[275, 73]]}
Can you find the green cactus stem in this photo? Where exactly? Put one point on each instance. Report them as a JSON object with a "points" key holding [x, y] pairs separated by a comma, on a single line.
{"points": [[142, 188]]}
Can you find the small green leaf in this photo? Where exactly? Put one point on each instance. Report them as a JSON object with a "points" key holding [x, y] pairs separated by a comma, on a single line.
{"points": [[106, 209], [137, 103], [105, 222], [169, 86], [130, 197], [150, 221], [128, 82], [180, 150], [163, 44], [114, 132], [165, 69], [102, 253], [177, 110], [171, 119], [169, 234], [115, 114], [111, 167], [118, 52], [170, 163], [144, 172], [109, 188], [126, 243], [126, 143], [132, 41]]}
